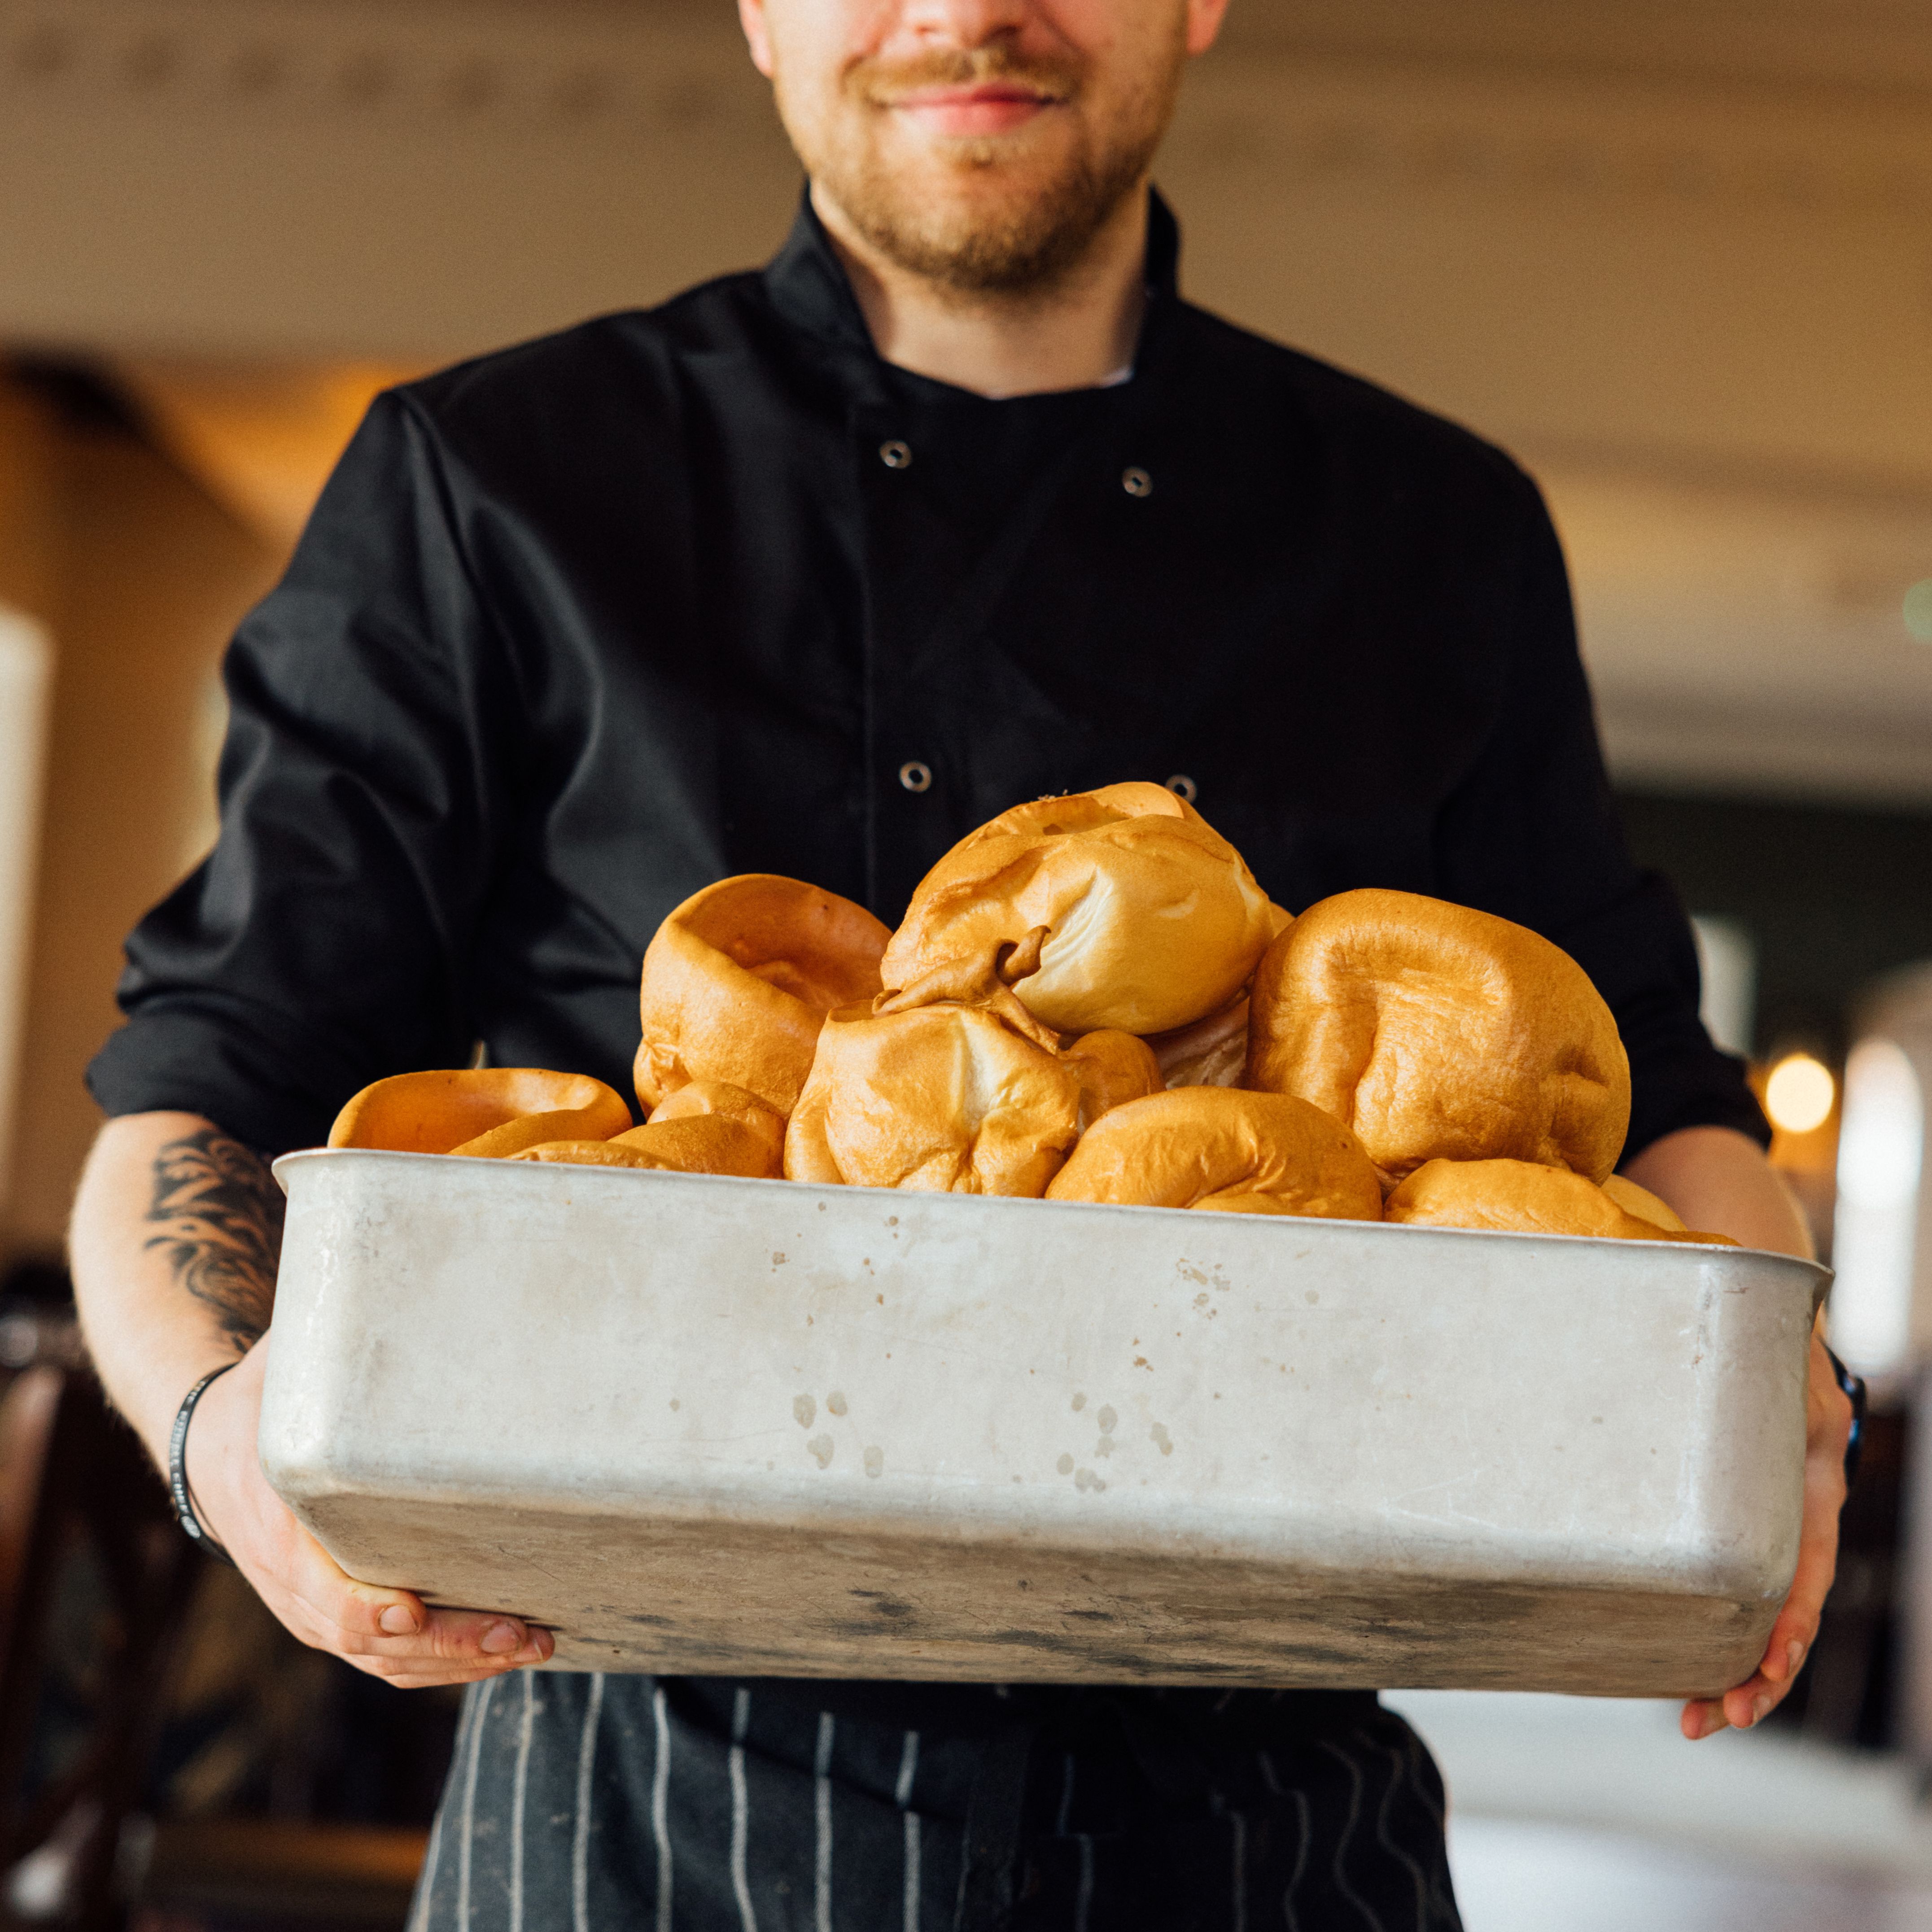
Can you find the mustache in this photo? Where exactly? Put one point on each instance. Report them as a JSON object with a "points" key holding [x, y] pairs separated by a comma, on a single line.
{"points": [[881, 83]]}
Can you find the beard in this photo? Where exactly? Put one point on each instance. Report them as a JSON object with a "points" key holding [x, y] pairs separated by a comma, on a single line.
{"points": [[992, 215]]}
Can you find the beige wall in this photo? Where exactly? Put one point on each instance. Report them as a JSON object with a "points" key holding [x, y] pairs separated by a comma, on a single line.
{"points": [[1671, 251], [139, 577], [28, 517]]}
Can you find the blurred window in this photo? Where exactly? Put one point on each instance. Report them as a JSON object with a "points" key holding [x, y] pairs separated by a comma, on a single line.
{"points": [[1727, 963], [26, 662], [1880, 1153]]}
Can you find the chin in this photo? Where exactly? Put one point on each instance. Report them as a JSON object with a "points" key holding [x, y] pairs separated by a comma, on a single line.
{"points": [[1029, 162], [988, 215], [963, 183]]}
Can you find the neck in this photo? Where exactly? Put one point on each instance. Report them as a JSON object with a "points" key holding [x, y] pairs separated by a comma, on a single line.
{"points": [[1073, 335]]}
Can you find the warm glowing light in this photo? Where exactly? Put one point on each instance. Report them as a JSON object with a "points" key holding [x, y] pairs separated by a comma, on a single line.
{"points": [[1798, 1095]]}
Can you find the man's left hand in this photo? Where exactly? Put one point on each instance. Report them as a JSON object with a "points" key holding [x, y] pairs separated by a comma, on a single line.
{"points": [[1716, 1178], [1828, 1426]]}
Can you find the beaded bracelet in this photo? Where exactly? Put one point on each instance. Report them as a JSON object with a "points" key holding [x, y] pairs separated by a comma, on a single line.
{"points": [[178, 1492]]}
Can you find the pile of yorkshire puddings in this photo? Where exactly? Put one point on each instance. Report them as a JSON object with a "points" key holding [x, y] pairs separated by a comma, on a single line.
{"points": [[1091, 999]]}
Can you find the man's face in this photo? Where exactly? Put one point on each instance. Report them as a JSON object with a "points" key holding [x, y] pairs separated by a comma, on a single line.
{"points": [[979, 143]]}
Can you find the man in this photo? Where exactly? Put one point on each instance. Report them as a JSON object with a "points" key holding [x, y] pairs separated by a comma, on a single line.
{"points": [[810, 571]]}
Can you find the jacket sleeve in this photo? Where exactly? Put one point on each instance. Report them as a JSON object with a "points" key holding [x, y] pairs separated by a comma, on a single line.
{"points": [[323, 943], [1532, 833]]}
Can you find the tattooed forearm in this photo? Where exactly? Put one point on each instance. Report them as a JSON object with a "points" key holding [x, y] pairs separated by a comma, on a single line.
{"points": [[219, 1214]]}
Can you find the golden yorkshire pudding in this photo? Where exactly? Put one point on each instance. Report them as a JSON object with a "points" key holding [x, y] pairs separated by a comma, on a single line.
{"points": [[1520, 1197], [981, 983], [489, 1111], [946, 1098], [1141, 916], [1644, 1204], [738, 980], [1212, 1052], [1211, 1147], [587, 1153], [1113, 1068], [690, 1143], [1435, 1031], [719, 1098]]}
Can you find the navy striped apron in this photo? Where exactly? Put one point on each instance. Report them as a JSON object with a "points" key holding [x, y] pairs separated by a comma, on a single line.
{"points": [[615, 1803]]}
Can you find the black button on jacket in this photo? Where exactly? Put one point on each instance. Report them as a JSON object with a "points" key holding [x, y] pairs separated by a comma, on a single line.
{"points": [[580, 627]]}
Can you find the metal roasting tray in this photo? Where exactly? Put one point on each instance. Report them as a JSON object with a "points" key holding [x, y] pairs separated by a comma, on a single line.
{"points": [[754, 1427]]}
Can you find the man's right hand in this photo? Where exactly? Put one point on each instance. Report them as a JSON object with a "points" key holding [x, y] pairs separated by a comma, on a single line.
{"points": [[176, 1230], [391, 1633]]}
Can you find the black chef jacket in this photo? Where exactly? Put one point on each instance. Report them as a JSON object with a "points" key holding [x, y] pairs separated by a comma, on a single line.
{"points": [[576, 629], [579, 627]]}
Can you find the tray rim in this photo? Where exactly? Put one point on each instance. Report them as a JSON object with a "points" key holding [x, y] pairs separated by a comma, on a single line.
{"points": [[1693, 1253]]}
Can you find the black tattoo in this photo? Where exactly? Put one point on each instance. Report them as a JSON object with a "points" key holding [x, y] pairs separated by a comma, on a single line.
{"points": [[221, 1214]]}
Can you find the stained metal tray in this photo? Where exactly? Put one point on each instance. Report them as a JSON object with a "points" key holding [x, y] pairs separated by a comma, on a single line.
{"points": [[704, 1424]]}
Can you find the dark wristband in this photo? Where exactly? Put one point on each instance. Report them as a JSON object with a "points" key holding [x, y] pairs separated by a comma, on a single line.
{"points": [[1854, 1389], [178, 1492]]}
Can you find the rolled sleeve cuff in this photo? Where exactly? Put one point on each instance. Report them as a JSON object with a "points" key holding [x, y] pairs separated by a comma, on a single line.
{"points": [[197, 1062]]}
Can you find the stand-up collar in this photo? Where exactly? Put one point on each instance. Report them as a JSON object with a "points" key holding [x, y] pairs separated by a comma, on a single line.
{"points": [[808, 285]]}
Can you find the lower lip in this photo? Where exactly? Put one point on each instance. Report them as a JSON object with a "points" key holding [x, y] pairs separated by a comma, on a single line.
{"points": [[997, 114]]}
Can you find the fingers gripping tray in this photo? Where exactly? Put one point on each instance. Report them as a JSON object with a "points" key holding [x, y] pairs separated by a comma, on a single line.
{"points": [[701, 1424]]}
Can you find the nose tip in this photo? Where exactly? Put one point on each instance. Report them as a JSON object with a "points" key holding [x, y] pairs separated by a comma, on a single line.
{"points": [[967, 23]]}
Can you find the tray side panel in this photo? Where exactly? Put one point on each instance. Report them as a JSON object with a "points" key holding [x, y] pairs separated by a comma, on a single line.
{"points": [[691, 1598], [495, 1383]]}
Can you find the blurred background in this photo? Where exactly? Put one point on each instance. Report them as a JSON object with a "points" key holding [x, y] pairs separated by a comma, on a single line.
{"points": [[1674, 253]]}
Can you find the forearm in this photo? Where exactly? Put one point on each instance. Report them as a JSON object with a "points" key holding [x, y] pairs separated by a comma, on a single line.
{"points": [[1720, 1181], [176, 1231]]}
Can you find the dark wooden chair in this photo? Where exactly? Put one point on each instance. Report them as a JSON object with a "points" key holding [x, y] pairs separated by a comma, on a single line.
{"points": [[78, 1495], [76, 1485]]}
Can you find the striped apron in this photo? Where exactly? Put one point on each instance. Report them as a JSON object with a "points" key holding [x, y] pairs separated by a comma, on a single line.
{"points": [[683, 1804]]}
